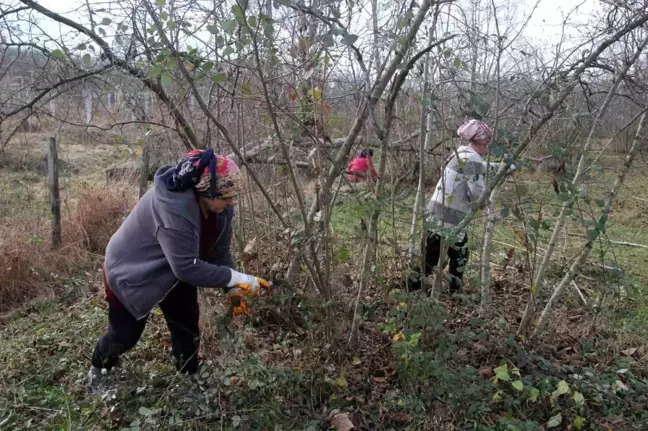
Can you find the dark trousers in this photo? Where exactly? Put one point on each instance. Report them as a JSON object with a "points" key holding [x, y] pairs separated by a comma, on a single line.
{"points": [[180, 309], [457, 255]]}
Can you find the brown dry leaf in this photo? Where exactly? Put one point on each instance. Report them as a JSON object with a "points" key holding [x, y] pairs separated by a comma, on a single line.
{"points": [[400, 418], [486, 372], [249, 252], [341, 422]]}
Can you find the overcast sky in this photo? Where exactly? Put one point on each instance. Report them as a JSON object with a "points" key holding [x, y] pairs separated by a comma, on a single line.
{"points": [[543, 29]]}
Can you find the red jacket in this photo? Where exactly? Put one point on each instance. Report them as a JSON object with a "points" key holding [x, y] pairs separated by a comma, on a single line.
{"points": [[361, 164]]}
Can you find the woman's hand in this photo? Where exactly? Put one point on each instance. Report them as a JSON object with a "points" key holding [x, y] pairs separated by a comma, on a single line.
{"points": [[241, 287]]}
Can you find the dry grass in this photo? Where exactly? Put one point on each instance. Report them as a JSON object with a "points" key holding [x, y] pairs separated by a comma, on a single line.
{"points": [[29, 267]]}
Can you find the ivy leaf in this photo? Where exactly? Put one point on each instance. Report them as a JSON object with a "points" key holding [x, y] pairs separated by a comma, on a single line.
{"points": [[164, 15], [518, 385], [563, 388], [144, 411], [252, 22], [106, 21], [534, 393], [579, 423], [501, 373], [102, 32], [228, 50], [349, 39], [554, 421], [448, 53], [578, 398], [171, 25], [426, 103], [87, 59], [155, 71], [219, 78], [457, 62], [207, 67], [212, 29], [236, 421]]}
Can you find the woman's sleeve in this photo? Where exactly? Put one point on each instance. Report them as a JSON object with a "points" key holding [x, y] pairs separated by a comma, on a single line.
{"points": [[180, 248]]}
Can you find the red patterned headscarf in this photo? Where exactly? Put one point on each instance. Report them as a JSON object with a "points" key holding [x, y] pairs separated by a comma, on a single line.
{"points": [[212, 175], [476, 131]]}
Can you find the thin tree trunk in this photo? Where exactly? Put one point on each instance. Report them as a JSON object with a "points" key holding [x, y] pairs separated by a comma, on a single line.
{"points": [[582, 257], [424, 140]]}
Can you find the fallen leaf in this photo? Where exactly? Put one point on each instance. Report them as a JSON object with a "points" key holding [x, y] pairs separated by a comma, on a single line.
{"points": [[249, 252], [341, 422], [400, 418], [629, 352], [486, 372]]}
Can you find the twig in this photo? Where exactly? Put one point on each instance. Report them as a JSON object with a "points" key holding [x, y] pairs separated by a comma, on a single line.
{"points": [[625, 243], [5, 421], [582, 297], [640, 199]]}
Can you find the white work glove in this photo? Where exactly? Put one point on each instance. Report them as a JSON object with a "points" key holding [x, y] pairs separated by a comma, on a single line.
{"points": [[248, 283]]}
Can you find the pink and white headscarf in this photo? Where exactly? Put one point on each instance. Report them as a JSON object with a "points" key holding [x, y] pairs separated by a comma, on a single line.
{"points": [[476, 131]]}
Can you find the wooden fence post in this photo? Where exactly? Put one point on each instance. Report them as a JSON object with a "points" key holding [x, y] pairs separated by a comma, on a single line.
{"points": [[53, 182], [144, 168]]}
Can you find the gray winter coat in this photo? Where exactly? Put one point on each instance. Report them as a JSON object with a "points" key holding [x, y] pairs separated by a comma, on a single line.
{"points": [[158, 244]]}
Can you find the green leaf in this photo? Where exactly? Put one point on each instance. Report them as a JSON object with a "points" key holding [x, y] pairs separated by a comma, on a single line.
{"points": [[448, 53], [102, 32], [219, 78], [563, 388], [349, 39], [212, 28], [534, 393], [457, 62], [57, 53], [578, 398], [426, 103], [228, 50], [144, 411], [106, 21], [164, 15], [246, 88], [171, 25], [554, 421], [229, 26], [252, 21], [172, 62], [600, 202], [579, 422], [207, 67], [236, 421], [518, 385], [155, 71], [161, 3], [501, 373], [504, 212], [238, 13], [87, 59]]}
